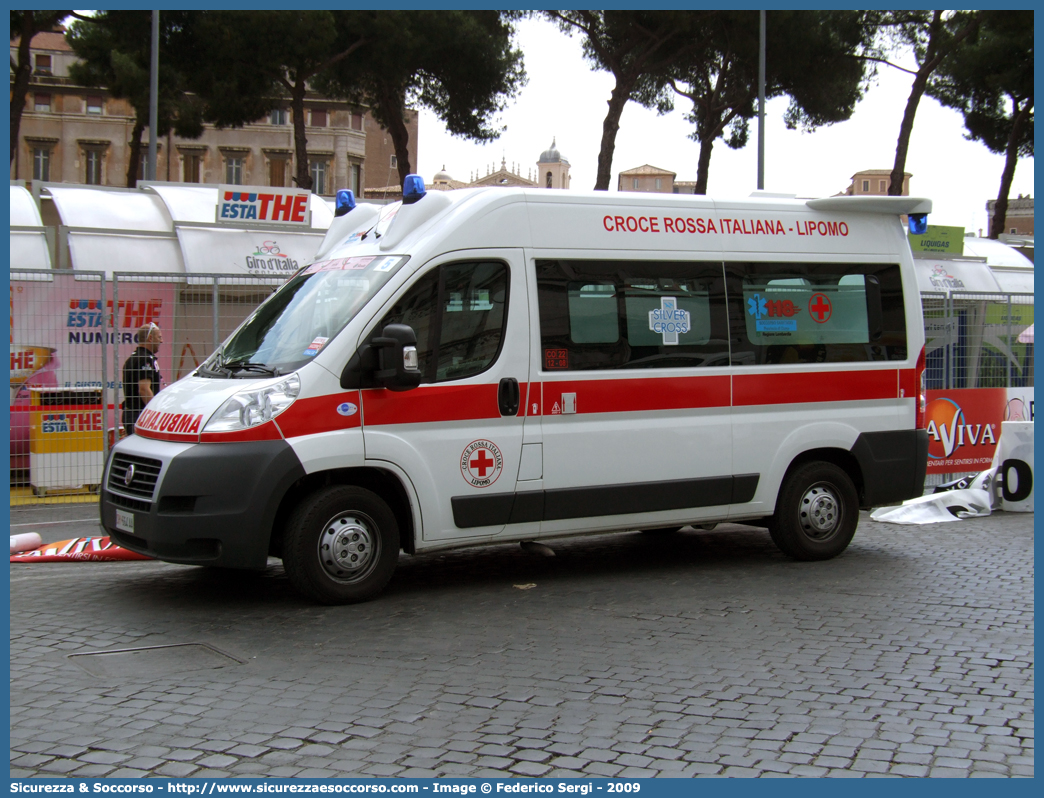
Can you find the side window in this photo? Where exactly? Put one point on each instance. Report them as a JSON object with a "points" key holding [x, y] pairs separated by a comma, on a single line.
{"points": [[631, 314], [815, 312], [459, 312]]}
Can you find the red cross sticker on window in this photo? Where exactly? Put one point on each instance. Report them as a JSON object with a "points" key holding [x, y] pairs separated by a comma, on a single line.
{"points": [[481, 463], [819, 308]]}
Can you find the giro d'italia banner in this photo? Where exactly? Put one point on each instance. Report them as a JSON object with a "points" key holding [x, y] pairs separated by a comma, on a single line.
{"points": [[964, 425]]}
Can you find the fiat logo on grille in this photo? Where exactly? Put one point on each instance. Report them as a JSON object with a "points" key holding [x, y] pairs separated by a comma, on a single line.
{"points": [[128, 477]]}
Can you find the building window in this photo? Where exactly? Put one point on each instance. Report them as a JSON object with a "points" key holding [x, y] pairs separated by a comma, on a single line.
{"points": [[93, 171], [1013, 230], [318, 170], [277, 171], [277, 116], [634, 184], [357, 123], [94, 105], [547, 180], [43, 64], [356, 174], [866, 186], [192, 166], [41, 163], [882, 186], [41, 101], [659, 183], [234, 170], [318, 117]]}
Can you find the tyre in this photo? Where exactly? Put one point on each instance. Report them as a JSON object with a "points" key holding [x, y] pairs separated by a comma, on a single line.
{"points": [[816, 512], [341, 545]]}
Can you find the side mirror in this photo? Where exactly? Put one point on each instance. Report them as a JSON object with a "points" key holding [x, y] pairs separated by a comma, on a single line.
{"points": [[389, 360], [397, 356]]}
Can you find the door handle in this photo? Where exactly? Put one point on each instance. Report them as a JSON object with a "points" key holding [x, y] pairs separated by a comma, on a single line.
{"points": [[508, 396]]}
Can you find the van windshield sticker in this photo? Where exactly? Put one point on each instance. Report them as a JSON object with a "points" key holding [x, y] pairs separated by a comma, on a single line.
{"points": [[315, 346]]}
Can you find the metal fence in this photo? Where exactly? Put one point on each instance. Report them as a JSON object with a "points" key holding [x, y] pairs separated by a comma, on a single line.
{"points": [[71, 332], [978, 340]]}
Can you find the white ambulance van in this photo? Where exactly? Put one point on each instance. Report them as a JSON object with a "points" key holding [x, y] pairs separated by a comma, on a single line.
{"points": [[500, 365]]}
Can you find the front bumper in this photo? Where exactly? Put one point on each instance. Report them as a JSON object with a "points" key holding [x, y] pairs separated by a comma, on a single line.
{"points": [[202, 504]]}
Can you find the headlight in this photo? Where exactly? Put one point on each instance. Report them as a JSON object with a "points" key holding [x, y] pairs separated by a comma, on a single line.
{"points": [[255, 405]]}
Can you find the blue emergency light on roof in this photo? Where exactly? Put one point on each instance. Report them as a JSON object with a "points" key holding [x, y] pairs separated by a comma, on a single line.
{"points": [[412, 189], [345, 201], [918, 223]]}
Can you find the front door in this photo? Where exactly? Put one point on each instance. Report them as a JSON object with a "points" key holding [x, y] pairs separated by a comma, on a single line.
{"points": [[458, 436]]}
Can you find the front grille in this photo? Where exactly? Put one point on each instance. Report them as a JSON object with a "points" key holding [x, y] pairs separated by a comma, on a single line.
{"points": [[128, 503], [143, 478]]}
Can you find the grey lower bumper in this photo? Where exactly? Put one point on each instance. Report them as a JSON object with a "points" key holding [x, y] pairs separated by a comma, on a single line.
{"points": [[214, 504]]}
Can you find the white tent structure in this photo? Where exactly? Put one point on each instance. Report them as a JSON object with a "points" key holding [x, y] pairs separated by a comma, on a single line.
{"points": [[157, 228], [985, 266], [29, 248]]}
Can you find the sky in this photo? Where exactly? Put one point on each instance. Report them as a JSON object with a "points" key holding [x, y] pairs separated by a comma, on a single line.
{"points": [[565, 100]]}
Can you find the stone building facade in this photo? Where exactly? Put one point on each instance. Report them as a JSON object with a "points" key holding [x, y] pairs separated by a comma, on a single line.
{"points": [[1018, 220], [77, 134]]}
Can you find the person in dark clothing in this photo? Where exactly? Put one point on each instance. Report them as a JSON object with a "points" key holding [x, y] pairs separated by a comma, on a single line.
{"points": [[141, 375]]}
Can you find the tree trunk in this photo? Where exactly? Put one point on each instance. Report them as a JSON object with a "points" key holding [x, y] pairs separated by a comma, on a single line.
{"points": [[902, 147], [1011, 158], [297, 95], [23, 73], [393, 105], [610, 127], [134, 163], [703, 167]]}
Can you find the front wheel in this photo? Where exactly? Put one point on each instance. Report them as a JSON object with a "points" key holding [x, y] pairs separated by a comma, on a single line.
{"points": [[341, 545], [816, 512]]}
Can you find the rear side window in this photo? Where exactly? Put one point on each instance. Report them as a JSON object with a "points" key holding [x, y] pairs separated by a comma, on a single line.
{"points": [[458, 311], [815, 313], [631, 314]]}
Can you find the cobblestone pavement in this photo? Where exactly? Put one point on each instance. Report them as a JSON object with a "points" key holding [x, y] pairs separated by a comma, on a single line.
{"points": [[699, 653]]}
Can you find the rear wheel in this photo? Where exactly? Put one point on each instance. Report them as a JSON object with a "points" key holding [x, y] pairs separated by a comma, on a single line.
{"points": [[816, 513], [341, 545]]}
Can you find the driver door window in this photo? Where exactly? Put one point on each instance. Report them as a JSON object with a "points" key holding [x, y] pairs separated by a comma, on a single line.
{"points": [[459, 312]]}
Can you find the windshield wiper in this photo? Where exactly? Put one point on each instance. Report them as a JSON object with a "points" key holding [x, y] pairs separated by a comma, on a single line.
{"points": [[246, 365]]}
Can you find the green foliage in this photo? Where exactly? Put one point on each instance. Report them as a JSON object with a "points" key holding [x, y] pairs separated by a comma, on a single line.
{"points": [[459, 64], [990, 79], [115, 51]]}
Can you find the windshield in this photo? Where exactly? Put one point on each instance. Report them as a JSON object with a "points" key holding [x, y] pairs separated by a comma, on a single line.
{"points": [[293, 325]]}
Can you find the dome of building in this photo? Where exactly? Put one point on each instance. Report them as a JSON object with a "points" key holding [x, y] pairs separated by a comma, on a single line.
{"points": [[442, 176], [552, 155]]}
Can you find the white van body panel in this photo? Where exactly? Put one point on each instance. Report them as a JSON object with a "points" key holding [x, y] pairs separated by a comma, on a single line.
{"points": [[586, 438]]}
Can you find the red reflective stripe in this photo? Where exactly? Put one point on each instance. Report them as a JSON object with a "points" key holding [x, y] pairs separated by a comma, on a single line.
{"points": [[814, 386], [635, 395], [318, 414], [262, 432], [430, 403]]}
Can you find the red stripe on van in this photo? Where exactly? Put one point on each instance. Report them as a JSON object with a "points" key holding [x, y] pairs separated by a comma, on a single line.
{"points": [[814, 386], [319, 414], [429, 403], [636, 395], [262, 432]]}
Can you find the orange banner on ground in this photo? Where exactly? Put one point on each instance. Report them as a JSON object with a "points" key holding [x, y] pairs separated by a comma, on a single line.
{"points": [[79, 550]]}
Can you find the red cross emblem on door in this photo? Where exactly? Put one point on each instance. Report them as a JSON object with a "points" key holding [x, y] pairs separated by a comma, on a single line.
{"points": [[819, 308], [481, 463]]}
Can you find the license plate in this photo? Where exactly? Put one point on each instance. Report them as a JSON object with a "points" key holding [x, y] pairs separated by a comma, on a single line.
{"points": [[125, 521]]}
